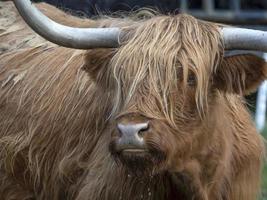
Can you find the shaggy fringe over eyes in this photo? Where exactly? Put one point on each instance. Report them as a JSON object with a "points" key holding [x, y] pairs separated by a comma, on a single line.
{"points": [[155, 52]]}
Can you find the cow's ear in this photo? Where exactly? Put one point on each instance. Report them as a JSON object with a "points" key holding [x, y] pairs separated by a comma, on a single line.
{"points": [[240, 74], [96, 62]]}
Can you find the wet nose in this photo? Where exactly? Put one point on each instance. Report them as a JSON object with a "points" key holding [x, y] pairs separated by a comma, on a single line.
{"points": [[131, 135]]}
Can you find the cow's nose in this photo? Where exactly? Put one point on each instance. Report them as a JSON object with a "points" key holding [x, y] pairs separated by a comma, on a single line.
{"points": [[131, 135]]}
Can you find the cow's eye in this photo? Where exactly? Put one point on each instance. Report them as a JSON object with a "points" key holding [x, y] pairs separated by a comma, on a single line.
{"points": [[191, 79]]}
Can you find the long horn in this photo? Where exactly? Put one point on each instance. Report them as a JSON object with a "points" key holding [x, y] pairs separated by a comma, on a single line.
{"points": [[87, 38], [77, 38], [244, 39]]}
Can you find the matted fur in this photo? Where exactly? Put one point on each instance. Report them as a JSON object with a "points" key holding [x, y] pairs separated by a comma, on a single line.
{"points": [[58, 108]]}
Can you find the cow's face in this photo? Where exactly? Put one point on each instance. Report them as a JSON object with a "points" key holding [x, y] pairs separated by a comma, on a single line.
{"points": [[164, 82]]}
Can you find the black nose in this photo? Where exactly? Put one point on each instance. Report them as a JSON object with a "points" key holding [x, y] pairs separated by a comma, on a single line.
{"points": [[132, 135]]}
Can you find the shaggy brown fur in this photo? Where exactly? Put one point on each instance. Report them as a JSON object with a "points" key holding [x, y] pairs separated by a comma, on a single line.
{"points": [[59, 108]]}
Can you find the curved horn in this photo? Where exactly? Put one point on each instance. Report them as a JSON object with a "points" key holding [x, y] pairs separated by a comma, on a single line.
{"points": [[87, 38], [244, 39], [77, 38]]}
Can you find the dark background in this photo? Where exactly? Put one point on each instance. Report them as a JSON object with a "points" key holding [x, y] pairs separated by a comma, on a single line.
{"points": [[91, 7]]}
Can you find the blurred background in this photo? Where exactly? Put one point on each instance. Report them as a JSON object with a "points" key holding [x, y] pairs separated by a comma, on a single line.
{"points": [[246, 13], [249, 9]]}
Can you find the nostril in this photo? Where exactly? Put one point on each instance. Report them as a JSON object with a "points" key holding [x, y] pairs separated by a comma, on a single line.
{"points": [[143, 129], [120, 129]]}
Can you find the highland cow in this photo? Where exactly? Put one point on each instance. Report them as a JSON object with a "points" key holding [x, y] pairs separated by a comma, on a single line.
{"points": [[160, 117]]}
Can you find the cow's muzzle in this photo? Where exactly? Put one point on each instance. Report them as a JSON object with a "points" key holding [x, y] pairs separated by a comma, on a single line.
{"points": [[134, 143], [129, 137]]}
